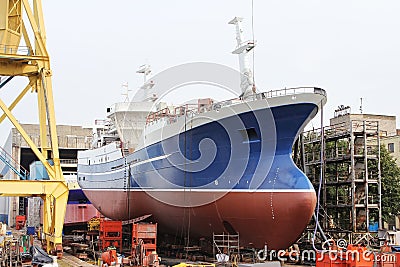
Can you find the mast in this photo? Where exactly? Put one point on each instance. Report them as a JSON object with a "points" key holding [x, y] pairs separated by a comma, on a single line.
{"points": [[147, 85], [242, 49], [145, 70]]}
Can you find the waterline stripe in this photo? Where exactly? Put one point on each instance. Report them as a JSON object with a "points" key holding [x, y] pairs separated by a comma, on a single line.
{"points": [[205, 190]]}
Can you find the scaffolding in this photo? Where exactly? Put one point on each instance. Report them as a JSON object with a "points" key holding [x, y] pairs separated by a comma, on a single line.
{"points": [[226, 244], [351, 177]]}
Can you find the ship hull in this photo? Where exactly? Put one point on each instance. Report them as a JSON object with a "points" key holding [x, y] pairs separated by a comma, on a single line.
{"points": [[76, 214], [272, 218], [251, 187], [79, 209]]}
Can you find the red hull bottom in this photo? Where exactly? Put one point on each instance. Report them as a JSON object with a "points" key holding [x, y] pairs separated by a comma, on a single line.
{"points": [[79, 213], [275, 219]]}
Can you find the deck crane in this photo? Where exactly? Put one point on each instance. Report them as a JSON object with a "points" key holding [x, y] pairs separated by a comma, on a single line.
{"points": [[23, 53]]}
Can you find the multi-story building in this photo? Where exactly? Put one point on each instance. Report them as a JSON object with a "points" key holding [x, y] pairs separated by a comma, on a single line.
{"points": [[392, 144]]}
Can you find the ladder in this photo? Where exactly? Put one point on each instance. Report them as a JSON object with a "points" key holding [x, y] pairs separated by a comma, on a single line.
{"points": [[11, 163]]}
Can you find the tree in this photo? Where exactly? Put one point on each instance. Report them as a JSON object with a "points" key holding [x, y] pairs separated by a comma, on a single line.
{"points": [[390, 180]]}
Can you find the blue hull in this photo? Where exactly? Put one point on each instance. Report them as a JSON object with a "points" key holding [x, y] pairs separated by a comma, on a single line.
{"points": [[261, 160], [76, 196], [235, 174]]}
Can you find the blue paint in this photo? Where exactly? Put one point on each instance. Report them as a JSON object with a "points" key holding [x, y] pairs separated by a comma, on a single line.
{"points": [[4, 218], [30, 230], [265, 161], [76, 196]]}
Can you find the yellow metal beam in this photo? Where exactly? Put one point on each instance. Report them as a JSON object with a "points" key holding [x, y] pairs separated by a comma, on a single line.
{"points": [[37, 9], [16, 69], [26, 38], [55, 218], [28, 140], [16, 101], [20, 57], [55, 196], [42, 121], [48, 93], [10, 188], [41, 48]]}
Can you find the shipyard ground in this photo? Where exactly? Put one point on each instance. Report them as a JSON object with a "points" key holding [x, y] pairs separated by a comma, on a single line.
{"points": [[174, 259], [72, 261]]}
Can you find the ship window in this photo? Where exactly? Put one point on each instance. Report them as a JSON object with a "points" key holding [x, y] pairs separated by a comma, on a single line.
{"points": [[249, 135]]}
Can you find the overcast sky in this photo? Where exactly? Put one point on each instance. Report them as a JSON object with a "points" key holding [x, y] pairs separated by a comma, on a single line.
{"points": [[351, 48]]}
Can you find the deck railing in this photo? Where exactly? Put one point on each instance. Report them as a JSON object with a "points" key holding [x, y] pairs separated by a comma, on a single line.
{"points": [[173, 113], [15, 50]]}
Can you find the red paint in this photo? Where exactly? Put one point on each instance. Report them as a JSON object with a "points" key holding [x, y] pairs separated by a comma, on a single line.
{"points": [[273, 218], [79, 213], [110, 234], [20, 222]]}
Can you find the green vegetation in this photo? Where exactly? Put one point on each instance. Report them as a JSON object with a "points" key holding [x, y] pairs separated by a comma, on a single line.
{"points": [[390, 180]]}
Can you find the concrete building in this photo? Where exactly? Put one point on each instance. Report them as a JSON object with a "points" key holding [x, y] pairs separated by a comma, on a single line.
{"points": [[387, 123], [392, 144], [389, 134]]}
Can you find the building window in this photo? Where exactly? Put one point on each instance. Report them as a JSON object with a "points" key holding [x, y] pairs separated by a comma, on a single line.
{"points": [[391, 147]]}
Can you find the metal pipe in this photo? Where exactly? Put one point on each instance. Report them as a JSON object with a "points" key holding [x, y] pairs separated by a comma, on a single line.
{"points": [[6, 81]]}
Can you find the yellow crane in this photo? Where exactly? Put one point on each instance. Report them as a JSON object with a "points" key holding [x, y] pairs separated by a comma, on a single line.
{"points": [[23, 53]]}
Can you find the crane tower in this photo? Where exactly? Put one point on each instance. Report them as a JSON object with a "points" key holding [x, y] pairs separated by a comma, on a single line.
{"points": [[23, 54]]}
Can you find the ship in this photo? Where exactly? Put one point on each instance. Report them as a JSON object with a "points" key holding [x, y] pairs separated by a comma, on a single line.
{"points": [[79, 209], [207, 166]]}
